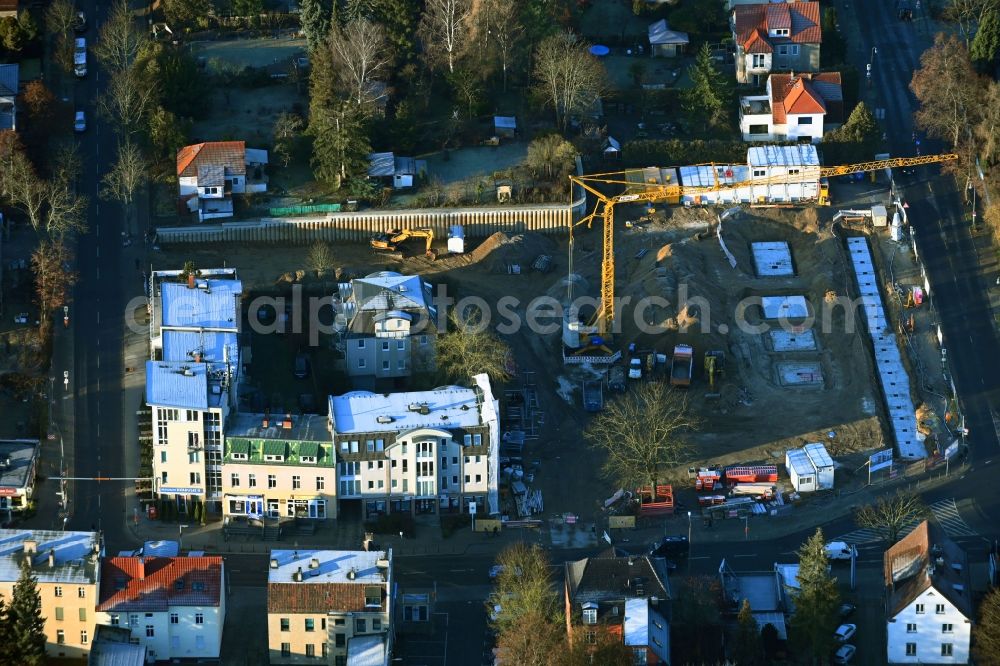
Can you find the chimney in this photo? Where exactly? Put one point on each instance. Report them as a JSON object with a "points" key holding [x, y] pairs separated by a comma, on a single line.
{"points": [[30, 546], [264, 423], [287, 423], [314, 563], [52, 558], [141, 569], [297, 576], [197, 356], [190, 279], [274, 563]]}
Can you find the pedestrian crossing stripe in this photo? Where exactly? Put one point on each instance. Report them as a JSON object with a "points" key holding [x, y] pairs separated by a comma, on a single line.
{"points": [[945, 513]]}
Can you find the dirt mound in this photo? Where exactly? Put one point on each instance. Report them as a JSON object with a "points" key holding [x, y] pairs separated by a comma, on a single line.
{"points": [[489, 245], [665, 252]]}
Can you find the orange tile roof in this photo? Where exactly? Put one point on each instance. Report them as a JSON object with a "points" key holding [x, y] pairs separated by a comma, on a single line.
{"points": [[806, 93], [800, 18], [757, 42], [924, 558], [230, 154], [149, 584], [318, 597]]}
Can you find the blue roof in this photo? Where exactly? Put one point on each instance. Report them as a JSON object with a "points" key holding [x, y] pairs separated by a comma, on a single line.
{"points": [[214, 307], [8, 79], [183, 385], [181, 345]]}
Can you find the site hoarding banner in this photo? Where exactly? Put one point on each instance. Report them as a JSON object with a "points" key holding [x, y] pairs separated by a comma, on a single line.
{"points": [[880, 459]]}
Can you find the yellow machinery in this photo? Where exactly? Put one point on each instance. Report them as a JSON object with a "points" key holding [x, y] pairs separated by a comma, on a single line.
{"points": [[715, 363], [392, 239], [656, 184]]}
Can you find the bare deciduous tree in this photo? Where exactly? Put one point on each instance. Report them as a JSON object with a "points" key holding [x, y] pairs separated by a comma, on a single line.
{"points": [[986, 632], [52, 279], [523, 586], [59, 19], [642, 434], [320, 257], [120, 41], [507, 32], [470, 349], [946, 86], [444, 28], [126, 176], [128, 99], [890, 514], [287, 129], [19, 183], [987, 130], [968, 12], [360, 56], [569, 77]]}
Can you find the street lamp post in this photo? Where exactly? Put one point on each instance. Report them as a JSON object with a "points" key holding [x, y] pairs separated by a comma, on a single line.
{"points": [[180, 536], [689, 542]]}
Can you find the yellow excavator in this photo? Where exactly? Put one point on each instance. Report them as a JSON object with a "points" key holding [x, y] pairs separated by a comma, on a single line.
{"points": [[715, 364], [392, 239]]}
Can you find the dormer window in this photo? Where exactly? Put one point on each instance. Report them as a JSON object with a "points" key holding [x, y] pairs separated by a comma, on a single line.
{"points": [[590, 613], [239, 456], [274, 458], [781, 32], [198, 586], [179, 585], [308, 460]]}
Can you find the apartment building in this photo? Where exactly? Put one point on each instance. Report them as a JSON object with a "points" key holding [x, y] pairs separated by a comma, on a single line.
{"points": [[424, 452], [623, 595], [67, 568], [388, 324], [18, 461], [928, 599], [174, 606], [191, 380], [282, 467], [333, 606]]}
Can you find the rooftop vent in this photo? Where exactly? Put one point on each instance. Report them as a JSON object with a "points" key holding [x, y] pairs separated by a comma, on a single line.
{"points": [[5, 462], [52, 558], [274, 562], [314, 563], [187, 372], [382, 563], [297, 576], [352, 573], [30, 546], [383, 419]]}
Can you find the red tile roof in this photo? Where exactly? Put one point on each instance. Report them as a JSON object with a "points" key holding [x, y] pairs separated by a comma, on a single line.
{"points": [[806, 93], [318, 597], [926, 558], [229, 154], [152, 584], [757, 42], [800, 18]]}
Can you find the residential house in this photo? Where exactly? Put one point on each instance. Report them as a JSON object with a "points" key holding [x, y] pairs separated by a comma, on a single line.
{"points": [[330, 605], [626, 595], [191, 381], [209, 173], [389, 325], [730, 4], [929, 610], [396, 172], [113, 646], [9, 82], [66, 566], [422, 452], [775, 37], [18, 462], [8, 9], [281, 467], [173, 606], [664, 42], [796, 107]]}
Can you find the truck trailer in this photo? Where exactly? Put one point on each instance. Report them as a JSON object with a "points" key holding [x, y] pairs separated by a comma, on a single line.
{"points": [[682, 366]]}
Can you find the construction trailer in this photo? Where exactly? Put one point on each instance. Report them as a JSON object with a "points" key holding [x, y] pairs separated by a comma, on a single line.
{"points": [[810, 468]]}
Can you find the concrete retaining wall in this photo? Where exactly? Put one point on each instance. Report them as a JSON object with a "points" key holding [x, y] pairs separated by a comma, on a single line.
{"points": [[360, 226]]}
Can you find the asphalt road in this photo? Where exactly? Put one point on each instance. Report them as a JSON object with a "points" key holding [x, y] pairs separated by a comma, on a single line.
{"points": [[939, 216], [93, 424]]}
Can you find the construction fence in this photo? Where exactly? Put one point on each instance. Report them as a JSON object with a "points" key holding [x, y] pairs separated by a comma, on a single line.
{"points": [[360, 226]]}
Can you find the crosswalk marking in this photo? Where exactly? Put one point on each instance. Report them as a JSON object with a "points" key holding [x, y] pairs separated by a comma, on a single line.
{"points": [[945, 512]]}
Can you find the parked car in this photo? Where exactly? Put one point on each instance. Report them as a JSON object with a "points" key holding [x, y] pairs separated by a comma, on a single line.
{"points": [[79, 122], [80, 22], [846, 610], [838, 550], [844, 654], [301, 365], [672, 547], [845, 632], [635, 368], [498, 569]]}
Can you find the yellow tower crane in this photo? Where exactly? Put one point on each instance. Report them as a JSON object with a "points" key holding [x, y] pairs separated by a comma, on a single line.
{"points": [[657, 184]]}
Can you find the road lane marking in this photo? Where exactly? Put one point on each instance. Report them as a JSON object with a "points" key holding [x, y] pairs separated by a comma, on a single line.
{"points": [[746, 555], [97, 250]]}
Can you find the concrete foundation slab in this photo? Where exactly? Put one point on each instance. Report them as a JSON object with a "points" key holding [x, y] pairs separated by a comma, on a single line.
{"points": [[784, 307], [793, 341], [772, 259], [800, 374]]}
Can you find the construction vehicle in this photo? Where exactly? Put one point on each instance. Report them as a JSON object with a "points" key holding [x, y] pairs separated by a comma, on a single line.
{"points": [[715, 364], [391, 240], [658, 185], [616, 378], [682, 366]]}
